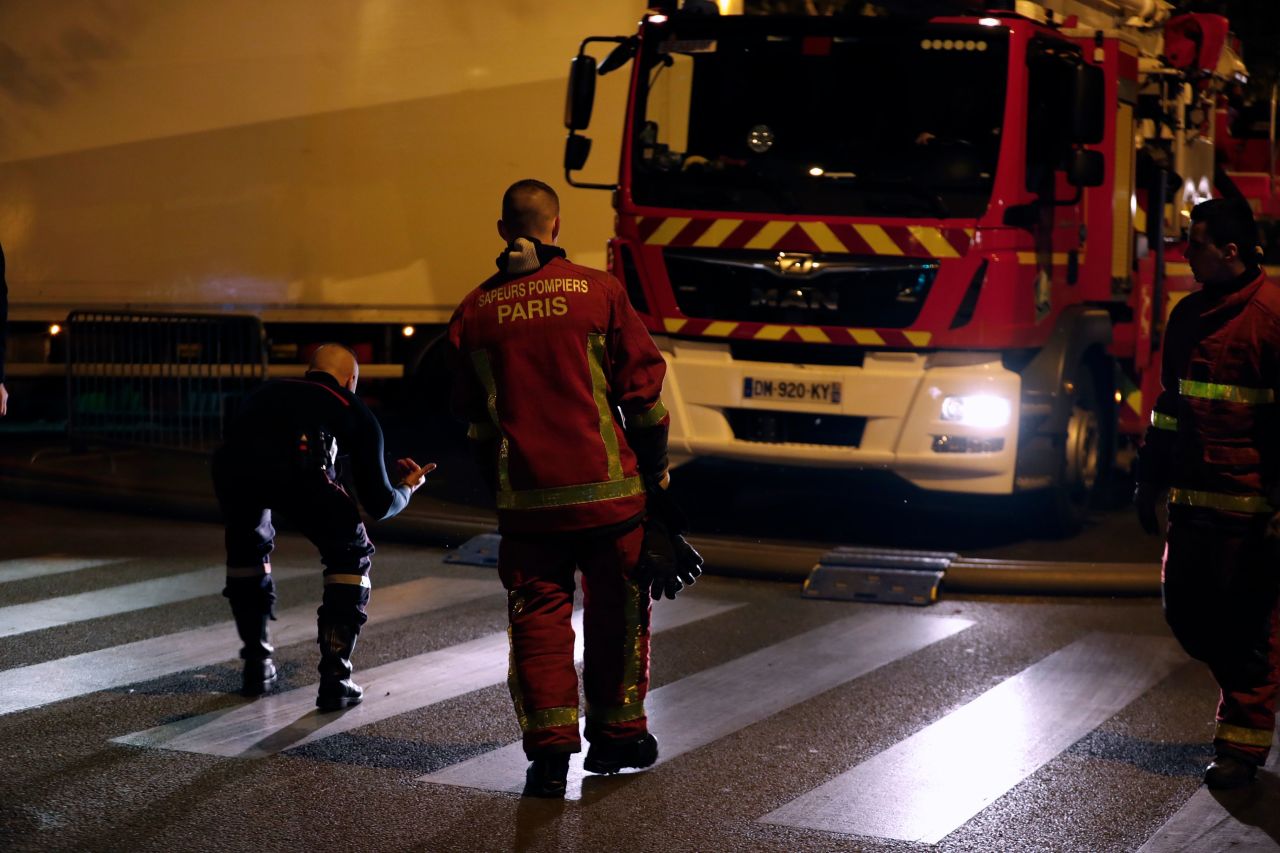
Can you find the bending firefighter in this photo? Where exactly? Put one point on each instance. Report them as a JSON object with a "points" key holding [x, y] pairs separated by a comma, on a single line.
{"points": [[560, 383], [279, 456], [1214, 445]]}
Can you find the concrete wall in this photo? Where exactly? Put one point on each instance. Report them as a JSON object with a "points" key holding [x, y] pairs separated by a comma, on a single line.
{"points": [[312, 160]]}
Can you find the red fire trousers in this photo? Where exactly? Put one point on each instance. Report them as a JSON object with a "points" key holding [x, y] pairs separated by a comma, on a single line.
{"points": [[1221, 597], [538, 575]]}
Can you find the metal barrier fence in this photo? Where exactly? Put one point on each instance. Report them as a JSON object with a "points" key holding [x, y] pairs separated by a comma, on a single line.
{"points": [[160, 380]]}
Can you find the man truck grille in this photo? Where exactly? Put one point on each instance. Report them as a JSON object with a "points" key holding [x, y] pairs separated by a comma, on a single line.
{"points": [[800, 289], [773, 427]]}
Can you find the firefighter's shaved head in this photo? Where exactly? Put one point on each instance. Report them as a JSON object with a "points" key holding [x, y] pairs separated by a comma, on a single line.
{"points": [[339, 362], [1229, 220], [1223, 242], [530, 208]]}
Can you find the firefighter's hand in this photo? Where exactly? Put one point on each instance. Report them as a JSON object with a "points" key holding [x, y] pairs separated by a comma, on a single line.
{"points": [[1146, 499], [658, 568], [412, 475], [4, 401]]}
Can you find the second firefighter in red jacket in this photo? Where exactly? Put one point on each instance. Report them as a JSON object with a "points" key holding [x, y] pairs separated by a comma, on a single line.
{"points": [[1214, 445], [548, 353]]}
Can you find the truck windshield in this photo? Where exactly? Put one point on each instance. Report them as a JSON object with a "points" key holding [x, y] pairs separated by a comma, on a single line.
{"points": [[853, 117]]}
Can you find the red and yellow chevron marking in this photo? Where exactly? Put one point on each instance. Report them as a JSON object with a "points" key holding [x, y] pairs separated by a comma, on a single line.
{"points": [[897, 338], [910, 241]]}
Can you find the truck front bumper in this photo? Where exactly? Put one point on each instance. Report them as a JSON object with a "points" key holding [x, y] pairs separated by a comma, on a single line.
{"points": [[888, 414]]}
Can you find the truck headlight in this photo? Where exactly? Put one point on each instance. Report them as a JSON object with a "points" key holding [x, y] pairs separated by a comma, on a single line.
{"points": [[980, 410]]}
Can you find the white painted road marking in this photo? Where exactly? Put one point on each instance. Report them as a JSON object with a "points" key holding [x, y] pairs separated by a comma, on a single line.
{"points": [[1205, 823], [39, 684], [927, 786], [38, 567], [52, 612], [708, 705], [282, 721]]}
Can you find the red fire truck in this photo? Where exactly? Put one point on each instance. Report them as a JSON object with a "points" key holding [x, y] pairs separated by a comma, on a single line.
{"points": [[941, 247]]}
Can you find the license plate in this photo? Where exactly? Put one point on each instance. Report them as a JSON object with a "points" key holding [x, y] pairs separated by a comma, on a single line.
{"points": [[790, 390]]}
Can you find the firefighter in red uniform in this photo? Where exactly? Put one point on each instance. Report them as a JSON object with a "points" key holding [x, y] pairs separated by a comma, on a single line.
{"points": [[547, 354], [1214, 446]]}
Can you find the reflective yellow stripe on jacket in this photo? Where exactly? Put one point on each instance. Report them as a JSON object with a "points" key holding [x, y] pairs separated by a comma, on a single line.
{"points": [[568, 495], [1160, 420], [1226, 393], [1219, 501], [617, 486], [600, 390], [650, 418]]}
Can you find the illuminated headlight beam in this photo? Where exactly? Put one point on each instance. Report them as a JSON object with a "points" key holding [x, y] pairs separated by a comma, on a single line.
{"points": [[980, 410]]}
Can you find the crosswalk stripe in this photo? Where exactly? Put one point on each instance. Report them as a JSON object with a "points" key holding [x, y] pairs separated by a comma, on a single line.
{"points": [[711, 704], [52, 681], [1204, 823], [286, 720], [52, 612], [930, 784], [38, 567]]}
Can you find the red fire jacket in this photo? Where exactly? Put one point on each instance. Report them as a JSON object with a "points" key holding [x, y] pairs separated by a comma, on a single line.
{"points": [[544, 361], [1213, 439]]}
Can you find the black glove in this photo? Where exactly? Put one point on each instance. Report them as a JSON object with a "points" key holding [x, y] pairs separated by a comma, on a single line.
{"points": [[688, 560], [668, 563], [1146, 498], [657, 568]]}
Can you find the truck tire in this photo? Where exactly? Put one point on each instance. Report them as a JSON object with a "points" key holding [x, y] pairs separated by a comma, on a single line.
{"points": [[1085, 450], [429, 389]]}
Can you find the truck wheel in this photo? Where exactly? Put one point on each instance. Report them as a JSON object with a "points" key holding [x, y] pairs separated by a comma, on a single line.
{"points": [[429, 389], [1087, 449]]}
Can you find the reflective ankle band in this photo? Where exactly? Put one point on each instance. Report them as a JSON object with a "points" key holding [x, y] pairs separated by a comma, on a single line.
{"points": [[249, 571], [548, 718], [1241, 735], [350, 580]]}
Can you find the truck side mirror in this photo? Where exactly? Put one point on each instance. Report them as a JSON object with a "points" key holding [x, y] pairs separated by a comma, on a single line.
{"points": [[576, 150], [1086, 169], [1088, 118], [582, 92]]}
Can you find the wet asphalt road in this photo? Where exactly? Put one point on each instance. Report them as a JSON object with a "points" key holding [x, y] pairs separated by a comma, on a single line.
{"points": [[68, 787]]}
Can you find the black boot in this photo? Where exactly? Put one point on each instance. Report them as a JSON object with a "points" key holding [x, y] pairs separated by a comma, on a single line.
{"points": [[612, 756], [1229, 771], [337, 690], [259, 669], [547, 776]]}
